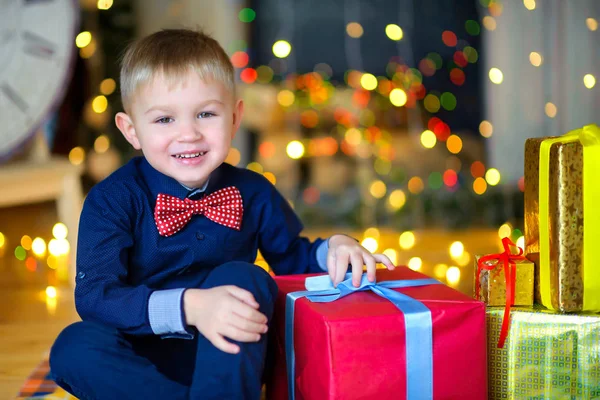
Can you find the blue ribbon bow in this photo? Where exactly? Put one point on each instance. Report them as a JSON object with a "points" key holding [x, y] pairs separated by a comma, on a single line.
{"points": [[417, 323]]}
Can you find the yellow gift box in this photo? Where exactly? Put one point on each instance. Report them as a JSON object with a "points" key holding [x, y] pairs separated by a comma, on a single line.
{"points": [[547, 355], [492, 284], [562, 218]]}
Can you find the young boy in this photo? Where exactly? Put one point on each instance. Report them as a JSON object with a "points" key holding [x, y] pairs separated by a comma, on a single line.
{"points": [[171, 303]]}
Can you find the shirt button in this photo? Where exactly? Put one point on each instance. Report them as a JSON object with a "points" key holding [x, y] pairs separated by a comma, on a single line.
{"points": [[81, 275], [199, 236]]}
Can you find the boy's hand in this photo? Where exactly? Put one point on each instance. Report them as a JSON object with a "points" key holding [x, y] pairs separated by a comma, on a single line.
{"points": [[343, 251], [224, 312]]}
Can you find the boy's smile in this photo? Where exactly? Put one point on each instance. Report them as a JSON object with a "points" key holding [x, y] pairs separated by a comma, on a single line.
{"points": [[184, 127]]}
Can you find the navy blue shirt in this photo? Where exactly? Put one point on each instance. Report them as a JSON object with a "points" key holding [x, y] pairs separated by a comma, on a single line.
{"points": [[131, 278]]}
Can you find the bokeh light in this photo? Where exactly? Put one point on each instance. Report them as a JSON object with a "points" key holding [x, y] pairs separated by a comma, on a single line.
{"points": [[415, 185], [108, 86], [535, 59], [479, 186], [415, 263], [99, 104], [247, 15], [394, 32], [504, 230], [496, 76], [550, 110], [407, 240], [372, 232], [38, 246], [432, 103], [439, 271], [51, 292], [286, 98], [370, 244], [477, 169], [450, 178], [489, 23], [456, 249], [101, 144], [83, 39], [378, 189], [295, 149], [368, 81], [449, 38], [397, 199], [392, 255], [529, 4], [592, 24], [486, 129], [589, 81], [428, 139], [233, 157], [20, 253], [453, 275], [454, 144], [60, 231], [354, 30], [26, 242], [104, 4], [270, 177], [492, 176], [282, 49], [398, 97]]}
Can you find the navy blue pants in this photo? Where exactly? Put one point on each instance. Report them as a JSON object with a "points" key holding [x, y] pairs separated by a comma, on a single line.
{"points": [[93, 361]]}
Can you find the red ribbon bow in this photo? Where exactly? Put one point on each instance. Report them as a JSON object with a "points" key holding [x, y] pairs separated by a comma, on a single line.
{"points": [[510, 273], [224, 207]]}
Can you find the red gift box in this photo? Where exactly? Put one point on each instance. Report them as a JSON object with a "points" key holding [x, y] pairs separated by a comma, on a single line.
{"points": [[355, 347]]}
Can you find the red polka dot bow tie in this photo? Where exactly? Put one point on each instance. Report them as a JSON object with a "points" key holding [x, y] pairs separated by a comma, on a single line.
{"points": [[223, 207]]}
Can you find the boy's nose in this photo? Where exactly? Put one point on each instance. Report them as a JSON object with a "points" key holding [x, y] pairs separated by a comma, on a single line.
{"points": [[189, 133]]}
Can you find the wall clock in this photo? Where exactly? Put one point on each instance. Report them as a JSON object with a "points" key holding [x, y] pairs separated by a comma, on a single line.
{"points": [[37, 47]]}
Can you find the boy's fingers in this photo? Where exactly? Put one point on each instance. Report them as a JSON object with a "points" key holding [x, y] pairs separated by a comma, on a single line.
{"points": [[243, 295], [341, 267], [382, 258], [245, 311], [371, 266], [247, 325], [234, 333], [357, 268], [220, 343], [331, 265]]}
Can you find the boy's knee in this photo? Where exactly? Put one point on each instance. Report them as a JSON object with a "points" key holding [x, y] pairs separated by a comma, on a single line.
{"points": [[75, 348], [65, 350], [249, 277]]}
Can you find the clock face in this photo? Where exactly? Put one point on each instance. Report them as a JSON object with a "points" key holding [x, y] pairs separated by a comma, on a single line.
{"points": [[37, 40]]}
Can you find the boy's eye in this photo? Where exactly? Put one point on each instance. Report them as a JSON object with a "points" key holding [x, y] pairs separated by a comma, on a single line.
{"points": [[164, 120], [205, 115]]}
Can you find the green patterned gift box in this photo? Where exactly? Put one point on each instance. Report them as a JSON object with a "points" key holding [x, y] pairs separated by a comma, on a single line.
{"points": [[546, 356]]}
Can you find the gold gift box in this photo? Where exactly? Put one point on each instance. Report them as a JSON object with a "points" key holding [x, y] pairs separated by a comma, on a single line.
{"points": [[547, 355], [492, 283], [565, 221]]}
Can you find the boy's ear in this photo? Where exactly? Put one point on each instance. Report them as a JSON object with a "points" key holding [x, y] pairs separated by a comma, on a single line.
{"points": [[125, 125], [238, 111]]}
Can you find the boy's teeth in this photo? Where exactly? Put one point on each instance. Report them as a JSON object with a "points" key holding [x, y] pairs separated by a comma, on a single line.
{"points": [[194, 155]]}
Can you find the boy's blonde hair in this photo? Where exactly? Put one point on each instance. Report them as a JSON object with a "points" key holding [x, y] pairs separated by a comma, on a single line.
{"points": [[174, 52]]}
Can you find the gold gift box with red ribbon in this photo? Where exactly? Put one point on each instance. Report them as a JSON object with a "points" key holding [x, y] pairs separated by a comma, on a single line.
{"points": [[500, 277], [492, 283]]}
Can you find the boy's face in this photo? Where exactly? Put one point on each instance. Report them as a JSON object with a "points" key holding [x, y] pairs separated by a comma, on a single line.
{"points": [[184, 130]]}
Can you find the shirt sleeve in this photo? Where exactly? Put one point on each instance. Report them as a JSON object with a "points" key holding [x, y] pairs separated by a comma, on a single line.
{"points": [[102, 291], [279, 238], [165, 312]]}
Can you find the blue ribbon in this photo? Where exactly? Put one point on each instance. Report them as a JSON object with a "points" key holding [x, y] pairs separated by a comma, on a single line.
{"points": [[417, 323]]}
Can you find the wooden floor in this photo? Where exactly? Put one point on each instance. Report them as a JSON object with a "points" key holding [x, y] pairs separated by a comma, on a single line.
{"points": [[29, 321]]}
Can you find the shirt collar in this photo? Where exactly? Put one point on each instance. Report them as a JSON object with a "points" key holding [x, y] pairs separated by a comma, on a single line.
{"points": [[160, 183]]}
